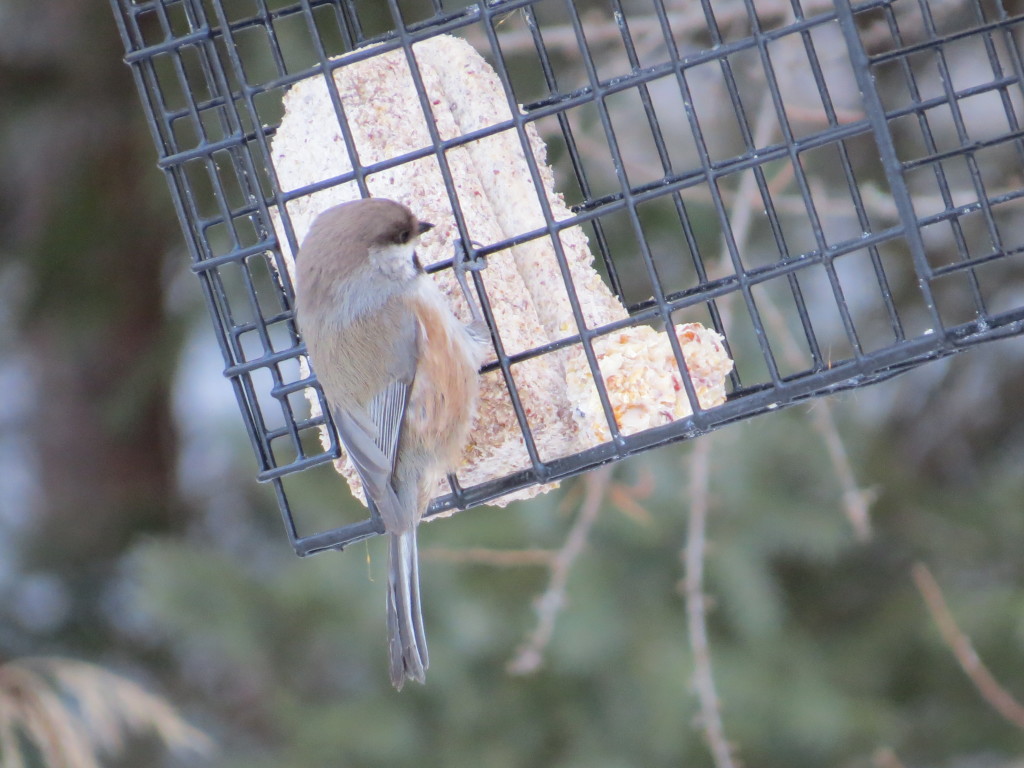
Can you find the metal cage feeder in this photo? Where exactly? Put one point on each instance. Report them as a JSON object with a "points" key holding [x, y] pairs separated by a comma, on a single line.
{"points": [[834, 187]]}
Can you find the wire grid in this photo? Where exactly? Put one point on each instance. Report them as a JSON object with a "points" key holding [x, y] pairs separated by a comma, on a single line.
{"points": [[835, 187]]}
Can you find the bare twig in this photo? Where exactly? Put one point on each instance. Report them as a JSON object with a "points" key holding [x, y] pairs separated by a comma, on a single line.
{"points": [[598, 28], [884, 757], [624, 501], [686, 21], [741, 216], [693, 589], [748, 198], [530, 655], [498, 558], [959, 643], [627, 498], [856, 500]]}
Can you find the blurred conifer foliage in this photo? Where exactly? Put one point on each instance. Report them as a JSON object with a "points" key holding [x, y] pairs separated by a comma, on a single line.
{"points": [[85, 226], [822, 649]]}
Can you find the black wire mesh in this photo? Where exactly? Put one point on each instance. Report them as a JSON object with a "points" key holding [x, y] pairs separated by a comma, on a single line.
{"points": [[835, 187]]}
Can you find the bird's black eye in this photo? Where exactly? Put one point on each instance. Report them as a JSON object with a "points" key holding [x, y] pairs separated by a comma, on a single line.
{"points": [[403, 237]]}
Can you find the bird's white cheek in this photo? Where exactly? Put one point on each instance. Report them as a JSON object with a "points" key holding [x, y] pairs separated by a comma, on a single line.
{"points": [[396, 261]]}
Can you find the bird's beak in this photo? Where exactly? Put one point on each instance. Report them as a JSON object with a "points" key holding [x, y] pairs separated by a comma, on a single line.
{"points": [[425, 227]]}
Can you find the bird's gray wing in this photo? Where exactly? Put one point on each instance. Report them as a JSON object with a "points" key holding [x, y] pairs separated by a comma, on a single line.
{"points": [[371, 437]]}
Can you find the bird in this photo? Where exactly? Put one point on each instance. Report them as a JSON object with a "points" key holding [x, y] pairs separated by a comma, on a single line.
{"points": [[400, 375]]}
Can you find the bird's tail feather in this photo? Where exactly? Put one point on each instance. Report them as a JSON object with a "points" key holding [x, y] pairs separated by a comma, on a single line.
{"points": [[407, 642]]}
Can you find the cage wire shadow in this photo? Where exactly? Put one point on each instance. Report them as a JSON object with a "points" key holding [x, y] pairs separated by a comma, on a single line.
{"points": [[885, 202]]}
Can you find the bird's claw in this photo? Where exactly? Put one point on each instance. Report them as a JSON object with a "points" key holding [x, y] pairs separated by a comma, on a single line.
{"points": [[466, 260]]}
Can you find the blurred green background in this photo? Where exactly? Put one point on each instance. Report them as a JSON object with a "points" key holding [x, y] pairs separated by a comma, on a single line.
{"points": [[133, 536]]}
